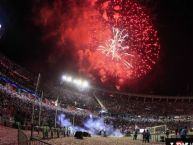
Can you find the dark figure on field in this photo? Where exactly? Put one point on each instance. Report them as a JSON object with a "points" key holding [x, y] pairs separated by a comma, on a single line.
{"points": [[147, 135], [167, 133], [183, 133], [135, 135], [176, 132], [52, 133], [144, 136]]}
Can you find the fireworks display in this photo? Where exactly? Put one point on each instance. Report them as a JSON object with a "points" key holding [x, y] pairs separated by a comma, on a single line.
{"points": [[114, 40], [114, 47]]}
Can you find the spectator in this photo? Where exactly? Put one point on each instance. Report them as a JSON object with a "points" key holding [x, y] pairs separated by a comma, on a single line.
{"points": [[144, 136]]}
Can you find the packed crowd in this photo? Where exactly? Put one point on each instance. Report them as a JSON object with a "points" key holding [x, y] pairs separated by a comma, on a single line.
{"points": [[147, 106], [14, 103]]}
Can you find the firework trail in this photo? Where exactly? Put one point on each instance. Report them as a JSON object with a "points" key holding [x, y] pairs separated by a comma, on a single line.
{"points": [[114, 47]]}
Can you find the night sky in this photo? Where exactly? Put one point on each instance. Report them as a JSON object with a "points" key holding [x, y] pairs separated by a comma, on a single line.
{"points": [[172, 75]]}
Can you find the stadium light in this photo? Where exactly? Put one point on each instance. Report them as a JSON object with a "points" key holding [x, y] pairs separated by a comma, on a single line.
{"points": [[0, 26], [77, 82], [69, 79], [85, 84], [64, 78], [80, 83]]}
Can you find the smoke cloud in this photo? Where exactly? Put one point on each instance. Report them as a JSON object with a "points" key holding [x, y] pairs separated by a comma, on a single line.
{"points": [[92, 125]]}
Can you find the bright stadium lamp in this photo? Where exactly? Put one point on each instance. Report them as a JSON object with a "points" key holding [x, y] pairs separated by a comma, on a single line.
{"points": [[64, 78], [78, 82], [0, 26], [85, 84], [74, 81], [68, 78]]}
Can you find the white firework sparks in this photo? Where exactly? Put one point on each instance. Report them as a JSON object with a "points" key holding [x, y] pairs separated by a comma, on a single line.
{"points": [[114, 47]]}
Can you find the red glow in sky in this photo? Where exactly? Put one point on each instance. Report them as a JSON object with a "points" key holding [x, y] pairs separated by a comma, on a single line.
{"points": [[89, 25]]}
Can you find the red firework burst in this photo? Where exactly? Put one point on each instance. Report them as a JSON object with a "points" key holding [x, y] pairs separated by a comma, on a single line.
{"points": [[114, 39], [123, 59]]}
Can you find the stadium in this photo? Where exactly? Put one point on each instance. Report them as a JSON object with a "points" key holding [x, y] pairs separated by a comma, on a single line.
{"points": [[93, 73]]}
